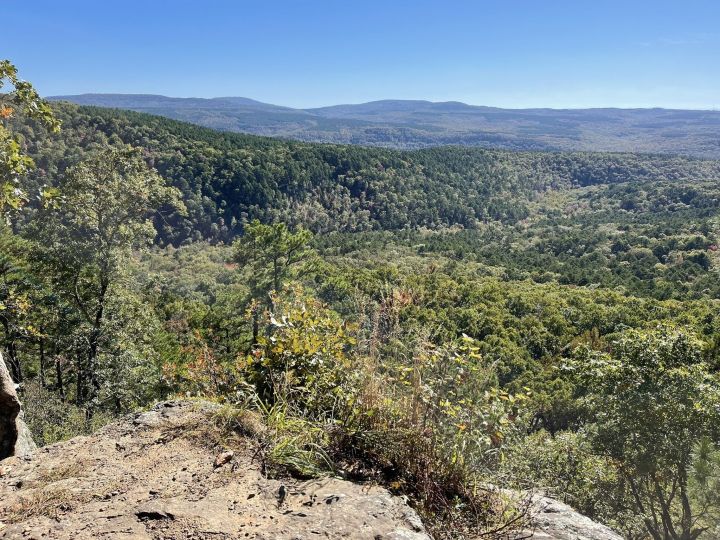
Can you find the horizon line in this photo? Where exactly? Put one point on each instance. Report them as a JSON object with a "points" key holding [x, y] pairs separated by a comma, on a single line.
{"points": [[714, 108]]}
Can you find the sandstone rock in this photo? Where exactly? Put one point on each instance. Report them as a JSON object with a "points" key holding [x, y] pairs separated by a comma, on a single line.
{"points": [[15, 437], [153, 476]]}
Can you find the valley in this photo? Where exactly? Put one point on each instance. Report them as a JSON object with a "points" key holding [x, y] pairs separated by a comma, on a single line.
{"points": [[493, 309]]}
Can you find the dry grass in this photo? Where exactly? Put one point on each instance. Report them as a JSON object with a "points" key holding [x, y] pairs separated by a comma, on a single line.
{"points": [[239, 421], [225, 426], [40, 502], [57, 474]]}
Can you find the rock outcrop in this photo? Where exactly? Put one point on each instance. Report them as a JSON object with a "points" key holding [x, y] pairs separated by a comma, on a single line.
{"points": [[164, 474], [555, 520], [154, 476], [15, 437]]}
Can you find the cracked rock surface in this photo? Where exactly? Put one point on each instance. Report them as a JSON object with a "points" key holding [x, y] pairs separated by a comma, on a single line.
{"points": [[143, 478]]}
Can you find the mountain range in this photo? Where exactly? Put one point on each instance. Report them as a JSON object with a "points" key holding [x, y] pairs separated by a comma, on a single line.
{"points": [[410, 124]]}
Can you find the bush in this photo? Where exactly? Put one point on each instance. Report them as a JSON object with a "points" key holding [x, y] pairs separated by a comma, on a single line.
{"points": [[52, 420], [564, 466], [430, 429]]}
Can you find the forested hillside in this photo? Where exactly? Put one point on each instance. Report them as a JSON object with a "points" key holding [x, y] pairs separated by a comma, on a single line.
{"points": [[419, 124], [440, 321], [229, 179], [645, 223]]}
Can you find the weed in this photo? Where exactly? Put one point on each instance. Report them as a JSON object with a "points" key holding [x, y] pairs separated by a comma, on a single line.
{"points": [[40, 502]]}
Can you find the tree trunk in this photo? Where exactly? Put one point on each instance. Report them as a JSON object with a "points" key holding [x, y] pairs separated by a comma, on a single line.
{"points": [[59, 378], [95, 336], [255, 326], [80, 382], [41, 345], [14, 361], [276, 276], [92, 363], [686, 521]]}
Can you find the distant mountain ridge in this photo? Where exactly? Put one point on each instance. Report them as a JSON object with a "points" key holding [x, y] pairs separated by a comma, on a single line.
{"points": [[419, 124]]}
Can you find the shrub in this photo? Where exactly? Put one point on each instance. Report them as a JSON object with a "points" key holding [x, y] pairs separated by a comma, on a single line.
{"points": [[51, 419], [431, 428]]}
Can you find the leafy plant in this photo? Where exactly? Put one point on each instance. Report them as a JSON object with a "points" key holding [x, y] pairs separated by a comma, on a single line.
{"points": [[14, 163], [651, 401]]}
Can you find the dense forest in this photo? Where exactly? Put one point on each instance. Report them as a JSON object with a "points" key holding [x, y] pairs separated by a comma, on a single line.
{"points": [[444, 321], [645, 223]]}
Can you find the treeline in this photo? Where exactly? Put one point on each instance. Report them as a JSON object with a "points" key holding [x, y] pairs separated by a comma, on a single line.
{"points": [[227, 180]]}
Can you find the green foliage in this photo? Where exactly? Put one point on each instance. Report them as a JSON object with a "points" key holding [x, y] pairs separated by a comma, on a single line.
{"points": [[651, 401], [14, 163], [271, 252], [51, 419], [429, 427], [227, 180], [302, 357], [106, 208], [704, 483], [547, 217], [17, 292], [452, 391], [565, 466], [417, 338], [298, 444]]}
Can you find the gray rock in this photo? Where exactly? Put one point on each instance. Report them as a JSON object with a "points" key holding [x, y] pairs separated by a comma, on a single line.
{"points": [[555, 520], [24, 445], [15, 437]]}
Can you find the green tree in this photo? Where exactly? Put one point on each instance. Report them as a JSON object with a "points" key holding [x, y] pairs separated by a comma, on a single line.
{"points": [[15, 282], [15, 298], [270, 253], [14, 163], [652, 401], [107, 210]]}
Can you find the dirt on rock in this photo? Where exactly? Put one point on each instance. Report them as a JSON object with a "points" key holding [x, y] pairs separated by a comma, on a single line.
{"points": [[155, 476]]}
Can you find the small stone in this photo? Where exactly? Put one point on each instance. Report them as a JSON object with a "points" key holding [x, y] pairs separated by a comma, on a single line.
{"points": [[223, 457]]}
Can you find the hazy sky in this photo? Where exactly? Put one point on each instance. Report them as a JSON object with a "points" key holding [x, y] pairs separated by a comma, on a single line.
{"points": [[509, 53]]}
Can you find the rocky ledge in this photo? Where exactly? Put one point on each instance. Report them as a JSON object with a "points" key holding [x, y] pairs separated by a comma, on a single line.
{"points": [[157, 475], [152, 476]]}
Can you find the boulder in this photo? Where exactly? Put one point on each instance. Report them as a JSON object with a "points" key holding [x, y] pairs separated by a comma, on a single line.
{"points": [[15, 437], [554, 520]]}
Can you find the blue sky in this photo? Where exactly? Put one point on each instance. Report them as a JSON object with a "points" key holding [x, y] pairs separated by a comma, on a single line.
{"points": [[511, 53]]}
